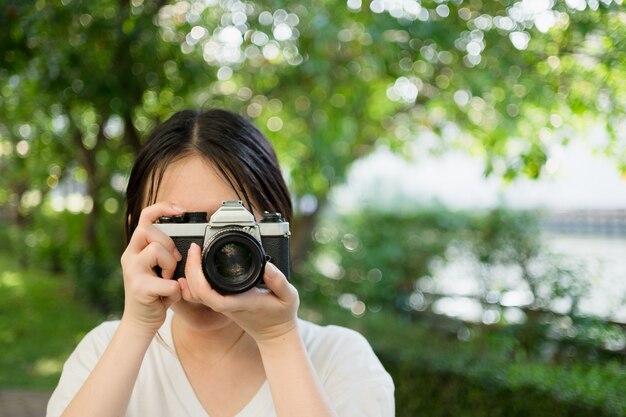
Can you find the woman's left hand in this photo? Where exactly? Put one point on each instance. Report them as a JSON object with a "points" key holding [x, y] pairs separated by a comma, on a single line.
{"points": [[265, 315]]}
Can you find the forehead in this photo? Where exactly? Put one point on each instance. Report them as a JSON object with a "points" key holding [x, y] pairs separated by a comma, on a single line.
{"points": [[195, 184]]}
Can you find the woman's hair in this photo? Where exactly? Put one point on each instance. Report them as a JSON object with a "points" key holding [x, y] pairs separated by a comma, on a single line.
{"points": [[241, 153]]}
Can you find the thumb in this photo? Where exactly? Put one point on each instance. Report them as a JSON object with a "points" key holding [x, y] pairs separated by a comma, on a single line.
{"points": [[276, 281]]}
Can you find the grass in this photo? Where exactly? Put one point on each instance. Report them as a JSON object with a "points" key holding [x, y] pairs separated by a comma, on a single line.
{"points": [[40, 324]]}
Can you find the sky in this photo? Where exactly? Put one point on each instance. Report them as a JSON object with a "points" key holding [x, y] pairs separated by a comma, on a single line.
{"points": [[575, 178]]}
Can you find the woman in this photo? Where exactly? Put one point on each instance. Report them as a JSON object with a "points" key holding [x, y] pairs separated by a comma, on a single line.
{"points": [[183, 349]]}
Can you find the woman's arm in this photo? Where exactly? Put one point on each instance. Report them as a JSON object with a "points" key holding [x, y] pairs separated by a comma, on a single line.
{"points": [[295, 386], [107, 389]]}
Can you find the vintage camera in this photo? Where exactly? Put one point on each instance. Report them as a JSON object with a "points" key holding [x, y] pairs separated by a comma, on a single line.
{"points": [[234, 246]]}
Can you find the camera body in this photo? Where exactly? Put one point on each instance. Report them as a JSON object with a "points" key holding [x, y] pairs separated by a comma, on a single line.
{"points": [[234, 246]]}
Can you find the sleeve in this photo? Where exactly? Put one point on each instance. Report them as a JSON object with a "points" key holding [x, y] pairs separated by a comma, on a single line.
{"points": [[78, 367], [355, 380]]}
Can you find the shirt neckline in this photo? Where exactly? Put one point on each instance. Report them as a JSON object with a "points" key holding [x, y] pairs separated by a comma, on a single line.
{"points": [[183, 386]]}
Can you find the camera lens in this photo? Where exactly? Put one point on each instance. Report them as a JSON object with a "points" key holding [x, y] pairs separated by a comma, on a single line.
{"points": [[233, 262]]}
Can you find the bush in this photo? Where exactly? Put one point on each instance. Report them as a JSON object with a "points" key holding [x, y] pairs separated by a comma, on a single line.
{"points": [[377, 257], [547, 365], [443, 394], [437, 374], [54, 241], [387, 267]]}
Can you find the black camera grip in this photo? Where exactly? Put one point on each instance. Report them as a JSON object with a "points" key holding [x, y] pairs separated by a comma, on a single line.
{"points": [[277, 248]]}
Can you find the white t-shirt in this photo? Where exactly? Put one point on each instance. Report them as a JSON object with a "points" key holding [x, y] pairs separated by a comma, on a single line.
{"points": [[353, 377]]}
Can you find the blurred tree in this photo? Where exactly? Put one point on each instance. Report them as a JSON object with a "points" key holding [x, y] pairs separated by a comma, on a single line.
{"points": [[83, 82]]}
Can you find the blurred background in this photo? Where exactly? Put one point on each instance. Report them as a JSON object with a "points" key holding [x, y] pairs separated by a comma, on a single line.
{"points": [[457, 167]]}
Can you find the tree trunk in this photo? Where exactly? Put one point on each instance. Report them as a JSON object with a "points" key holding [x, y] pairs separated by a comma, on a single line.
{"points": [[19, 219], [302, 233], [87, 158]]}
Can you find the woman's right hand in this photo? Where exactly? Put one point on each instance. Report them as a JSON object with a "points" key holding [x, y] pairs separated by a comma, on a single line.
{"points": [[148, 296]]}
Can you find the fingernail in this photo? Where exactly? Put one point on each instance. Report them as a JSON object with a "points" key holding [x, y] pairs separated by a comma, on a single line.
{"points": [[178, 208]]}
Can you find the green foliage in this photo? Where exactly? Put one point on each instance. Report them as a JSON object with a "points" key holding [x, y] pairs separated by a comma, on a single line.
{"points": [[40, 324], [392, 268], [437, 374], [379, 256], [82, 83], [548, 365], [420, 391], [510, 237], [53, 242]]}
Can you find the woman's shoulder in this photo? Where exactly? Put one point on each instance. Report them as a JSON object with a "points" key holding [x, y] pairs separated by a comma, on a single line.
{"points": [[354, 378], [317, 336], [98, 338], [105, 329], [87, 353], [331, 346]]}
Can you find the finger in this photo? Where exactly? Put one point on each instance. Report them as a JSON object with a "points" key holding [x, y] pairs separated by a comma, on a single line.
{"points": [[174, 297], [146, 234], [276, 281], [185, 291], [149, 288], [156, 255], [199, 287], [170, 290], [151, 214], [193, 271]]}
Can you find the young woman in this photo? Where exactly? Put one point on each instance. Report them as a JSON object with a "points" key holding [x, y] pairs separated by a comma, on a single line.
{"points": [[183, 349]]}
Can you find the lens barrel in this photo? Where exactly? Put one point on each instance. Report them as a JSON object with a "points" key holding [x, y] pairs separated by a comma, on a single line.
{"points": [[233, 262]]}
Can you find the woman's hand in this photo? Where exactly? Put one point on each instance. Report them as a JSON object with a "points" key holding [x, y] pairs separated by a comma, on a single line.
{"points": [[147, 296], [264, 315], [269, 317]]}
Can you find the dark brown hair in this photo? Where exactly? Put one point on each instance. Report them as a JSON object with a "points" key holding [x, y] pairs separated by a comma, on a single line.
{"points": [[242, 154]]}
